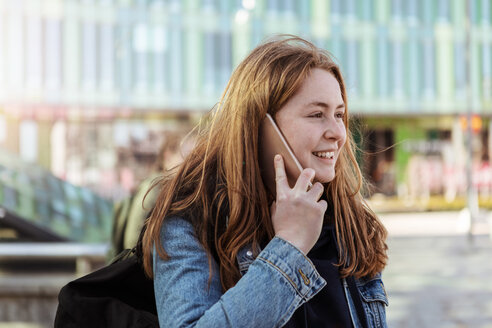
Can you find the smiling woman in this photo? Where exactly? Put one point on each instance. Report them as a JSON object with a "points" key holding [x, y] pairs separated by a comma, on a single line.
{"points": [[225, 252]]}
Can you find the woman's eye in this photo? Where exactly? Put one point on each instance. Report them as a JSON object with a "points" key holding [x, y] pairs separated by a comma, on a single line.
{"points": [[317, 115], [340, 115]]}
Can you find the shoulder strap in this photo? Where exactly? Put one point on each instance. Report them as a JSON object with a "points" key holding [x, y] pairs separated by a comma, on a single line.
{"points": [[138, 249], [354, 291]]}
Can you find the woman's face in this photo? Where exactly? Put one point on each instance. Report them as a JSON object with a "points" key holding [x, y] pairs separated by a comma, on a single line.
{"points": [[312, 121]]}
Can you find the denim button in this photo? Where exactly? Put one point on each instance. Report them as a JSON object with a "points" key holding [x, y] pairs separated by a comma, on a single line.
{"points": [[306, 279]]}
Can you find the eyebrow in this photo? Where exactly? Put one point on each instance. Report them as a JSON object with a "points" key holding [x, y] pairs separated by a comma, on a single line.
{"points": [[323, 104]]}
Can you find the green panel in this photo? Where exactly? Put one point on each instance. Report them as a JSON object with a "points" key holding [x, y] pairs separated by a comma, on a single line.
{"points": [[458, 13], [260, 7], [444, 64], [368, 70], [241, 41], [194, 65], [192, 5], [320, 10], [405, 131], [320, 20], [476, 74], [71, 47], [382, 11]]}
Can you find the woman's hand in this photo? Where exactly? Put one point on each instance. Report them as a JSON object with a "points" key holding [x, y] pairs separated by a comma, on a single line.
{"points": [[297, 214]]}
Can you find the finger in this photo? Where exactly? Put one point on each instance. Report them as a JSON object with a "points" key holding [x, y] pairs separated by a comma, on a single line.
{"points": [[280, 175], [316, 191], [304, 180]]}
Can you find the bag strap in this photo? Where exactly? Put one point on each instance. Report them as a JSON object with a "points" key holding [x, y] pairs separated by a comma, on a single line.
{"points": [[354, 291], [136, 251]]}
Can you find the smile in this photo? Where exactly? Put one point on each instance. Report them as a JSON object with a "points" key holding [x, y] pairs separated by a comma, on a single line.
{"points": [[324, 154]]}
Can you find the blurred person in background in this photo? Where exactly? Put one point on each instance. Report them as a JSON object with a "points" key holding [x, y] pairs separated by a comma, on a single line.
{"points": [[130, 213], [225, 252]]}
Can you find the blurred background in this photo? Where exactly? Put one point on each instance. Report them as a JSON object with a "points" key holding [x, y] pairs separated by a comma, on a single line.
{"points": [[90, 90]]}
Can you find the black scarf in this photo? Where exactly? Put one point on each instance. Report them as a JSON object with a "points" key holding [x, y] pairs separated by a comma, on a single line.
{"points": [[329, 307]]}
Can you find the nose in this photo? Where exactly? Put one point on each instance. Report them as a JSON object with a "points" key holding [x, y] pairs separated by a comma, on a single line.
{"points": [[334, 130]]}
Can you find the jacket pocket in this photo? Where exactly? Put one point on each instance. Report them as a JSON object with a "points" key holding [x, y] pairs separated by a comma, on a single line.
{"points": [[374, 300]]}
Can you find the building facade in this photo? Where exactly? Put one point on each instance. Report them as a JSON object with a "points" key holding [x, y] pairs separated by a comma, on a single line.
{"points": [[83, 81]]}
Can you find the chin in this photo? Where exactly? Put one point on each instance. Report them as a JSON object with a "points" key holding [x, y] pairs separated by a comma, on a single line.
{"points": [[326, 178]]}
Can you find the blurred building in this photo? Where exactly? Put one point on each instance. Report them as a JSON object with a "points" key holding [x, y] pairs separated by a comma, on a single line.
{"points": [[86, 86]]}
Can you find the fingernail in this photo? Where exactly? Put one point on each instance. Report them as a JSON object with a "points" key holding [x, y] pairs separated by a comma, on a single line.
{"points": [[277, 157]]}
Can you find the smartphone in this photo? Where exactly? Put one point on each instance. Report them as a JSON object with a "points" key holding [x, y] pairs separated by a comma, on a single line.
{"points": [[273, 142]]}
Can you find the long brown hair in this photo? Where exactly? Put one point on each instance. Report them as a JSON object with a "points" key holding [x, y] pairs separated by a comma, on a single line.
{"points": [[219, 189]]}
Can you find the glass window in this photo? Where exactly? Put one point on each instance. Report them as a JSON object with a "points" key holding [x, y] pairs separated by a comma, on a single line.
{"points": [[2, 51], [351, 67], [124, 53], [428, 66], [28, 140], [460, 70], [15, 51], [485, 12], [176, 55], [141, 45], [53, 55], [89, 49], [273, 6], [288, 6], [473, 9], [486, 71], [225, 58], [159, 58], [412, 68], [336, 7], [397, 9], [412, 9], [427, 11], [209, 63], [107, 58], [34, 43], [382, 62], [443, 11], [209, 5], [365, 10], [397, 63], [350, 10]]}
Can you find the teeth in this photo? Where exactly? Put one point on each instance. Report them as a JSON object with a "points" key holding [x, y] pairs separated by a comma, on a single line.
{"points": [[324, 154]]}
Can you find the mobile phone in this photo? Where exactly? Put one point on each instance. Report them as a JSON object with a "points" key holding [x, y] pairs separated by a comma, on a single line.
{"points": [[272, 142]]}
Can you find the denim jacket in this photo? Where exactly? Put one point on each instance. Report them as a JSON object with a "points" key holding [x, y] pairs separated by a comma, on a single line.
{"points": [[274, 284]]}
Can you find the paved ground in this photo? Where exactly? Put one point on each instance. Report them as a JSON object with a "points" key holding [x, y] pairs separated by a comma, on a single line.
{"points": [[437, 276]]}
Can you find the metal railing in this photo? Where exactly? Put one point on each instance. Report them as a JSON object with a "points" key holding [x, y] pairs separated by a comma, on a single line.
{"points": [[83, 254]]}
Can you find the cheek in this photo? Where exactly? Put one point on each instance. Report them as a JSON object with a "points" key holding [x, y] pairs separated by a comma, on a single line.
{"points": [[302, 147], [343, 138]]}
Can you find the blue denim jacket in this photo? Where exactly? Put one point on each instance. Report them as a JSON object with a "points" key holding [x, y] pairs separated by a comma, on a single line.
{"points": [[274, 284]]}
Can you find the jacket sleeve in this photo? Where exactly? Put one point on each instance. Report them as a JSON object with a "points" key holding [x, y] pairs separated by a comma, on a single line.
{"points": [[279, 280]]}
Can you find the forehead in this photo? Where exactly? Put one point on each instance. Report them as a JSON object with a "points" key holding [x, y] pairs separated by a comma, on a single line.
{"points": [[323, 85]]}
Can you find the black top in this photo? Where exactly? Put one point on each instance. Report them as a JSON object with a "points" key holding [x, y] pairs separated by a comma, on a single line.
{"points": [[329, 307]]}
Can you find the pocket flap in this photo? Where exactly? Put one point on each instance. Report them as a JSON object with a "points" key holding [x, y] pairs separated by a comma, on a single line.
{"points": [[373, 290]]}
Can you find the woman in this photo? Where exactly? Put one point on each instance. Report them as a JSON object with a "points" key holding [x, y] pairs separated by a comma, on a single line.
{"points": [[222, 255]]}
